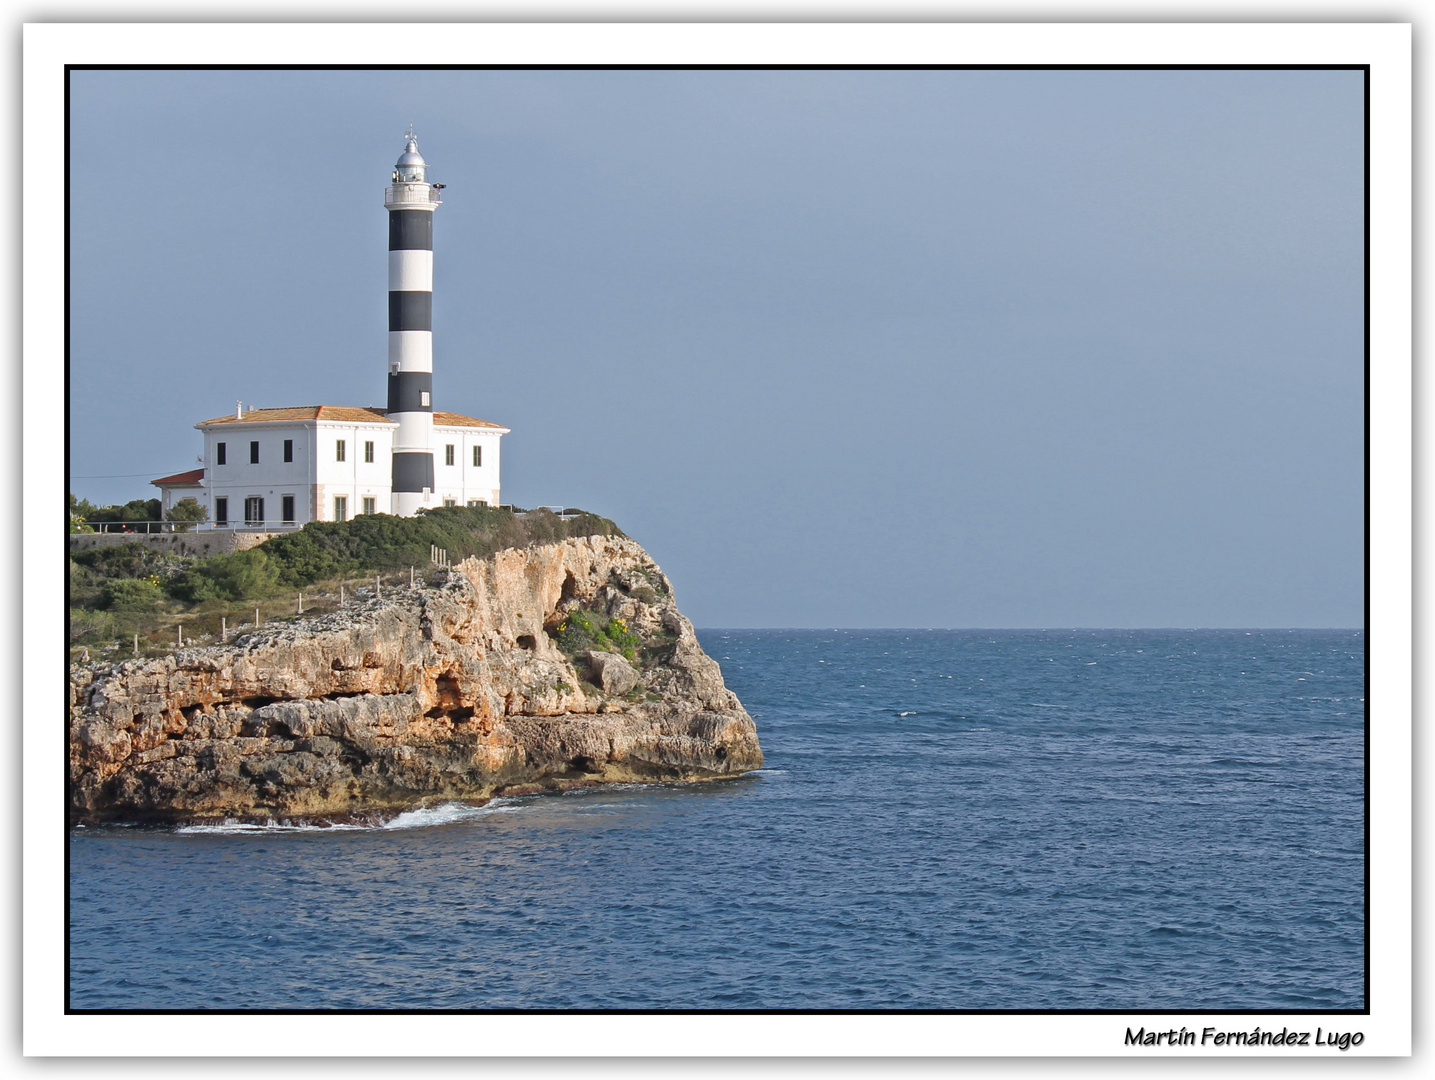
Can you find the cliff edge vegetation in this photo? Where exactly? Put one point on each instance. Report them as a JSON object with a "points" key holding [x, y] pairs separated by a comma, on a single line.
{"points": [[134, 599]]}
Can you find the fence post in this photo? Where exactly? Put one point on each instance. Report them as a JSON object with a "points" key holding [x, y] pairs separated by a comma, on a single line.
{"points": [[301, 603], [256, 618], [411, 577], [180, 628], [222, 629], [137, 644], [377, 588], [341, 592]]}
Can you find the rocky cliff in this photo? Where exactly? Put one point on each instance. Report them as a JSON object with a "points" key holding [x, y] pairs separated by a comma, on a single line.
{"points": [[539, 667]]}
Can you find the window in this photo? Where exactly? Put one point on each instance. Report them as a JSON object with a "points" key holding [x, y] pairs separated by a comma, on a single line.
{"points": [[450, 502], [478, 455], [254, 453], [448, 454], [339, 454], [341, 506], [221, 507], [424, 398], [288, 449], [477, 502], [369, 503], [286, 504], [219, 453], [369, 452], [254, 510]]}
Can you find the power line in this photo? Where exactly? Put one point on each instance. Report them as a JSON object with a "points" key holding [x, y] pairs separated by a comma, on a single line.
{"points": [[114, 476]]}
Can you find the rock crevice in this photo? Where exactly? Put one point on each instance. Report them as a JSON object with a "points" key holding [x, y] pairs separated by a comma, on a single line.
{"points": [[461, 689]]}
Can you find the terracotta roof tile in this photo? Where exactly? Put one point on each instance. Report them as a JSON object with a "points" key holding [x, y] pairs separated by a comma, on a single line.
{"points": [[347, 413], [194, 476], [453, 419], [351, 413]]}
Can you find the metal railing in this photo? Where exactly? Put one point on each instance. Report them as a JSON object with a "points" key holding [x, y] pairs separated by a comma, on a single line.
{"points": [[182, 527], [411, 194], [241, 525]]}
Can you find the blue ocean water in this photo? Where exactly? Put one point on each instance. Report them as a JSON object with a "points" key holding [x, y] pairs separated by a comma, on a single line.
{"points": [[1087, 819]]}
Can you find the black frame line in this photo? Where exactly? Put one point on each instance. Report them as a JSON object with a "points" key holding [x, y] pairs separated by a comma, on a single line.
{"points": [[754, 68]]}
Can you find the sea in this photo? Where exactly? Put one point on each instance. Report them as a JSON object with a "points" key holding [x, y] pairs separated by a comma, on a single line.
{"points": [[946, 820]]}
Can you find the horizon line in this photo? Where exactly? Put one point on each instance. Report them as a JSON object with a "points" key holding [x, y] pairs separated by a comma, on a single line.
{"points": [[1049, 629]]}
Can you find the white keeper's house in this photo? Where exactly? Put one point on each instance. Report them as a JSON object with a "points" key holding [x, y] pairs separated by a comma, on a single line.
{"points": [[281, 468]]}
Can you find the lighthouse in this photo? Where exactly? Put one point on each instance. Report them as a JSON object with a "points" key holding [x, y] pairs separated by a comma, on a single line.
{"points": [[273, 469], [411, 200]]}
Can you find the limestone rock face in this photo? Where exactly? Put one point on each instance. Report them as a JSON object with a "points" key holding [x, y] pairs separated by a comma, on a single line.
{"points": [[454, 690], [611, 672]]}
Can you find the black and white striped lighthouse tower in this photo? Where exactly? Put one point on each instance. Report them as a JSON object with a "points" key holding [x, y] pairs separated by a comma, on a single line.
{"points": [[411, 201]]}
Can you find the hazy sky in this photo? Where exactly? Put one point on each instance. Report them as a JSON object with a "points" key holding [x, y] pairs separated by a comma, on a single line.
{"points": [[840, 348]]}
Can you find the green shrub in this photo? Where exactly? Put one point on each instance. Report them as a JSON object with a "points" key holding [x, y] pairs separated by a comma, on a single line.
{"points": [[136, 510], [90, 626], [582, 631], [119, 561], [131, 594], [621, 639], [326, 549], [185, 513], [241, 575], [577, 632]]}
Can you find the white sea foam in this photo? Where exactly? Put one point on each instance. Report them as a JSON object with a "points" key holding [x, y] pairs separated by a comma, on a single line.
{"points": [[913, 713], [447, 814], [228, 828], [422, 817]]}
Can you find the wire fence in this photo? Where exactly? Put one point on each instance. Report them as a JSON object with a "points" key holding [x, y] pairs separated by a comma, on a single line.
{"points": [[195, 629]]}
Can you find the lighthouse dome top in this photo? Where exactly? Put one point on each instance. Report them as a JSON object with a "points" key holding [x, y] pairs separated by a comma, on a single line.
{"points": [[411, 167], [411, 155]]}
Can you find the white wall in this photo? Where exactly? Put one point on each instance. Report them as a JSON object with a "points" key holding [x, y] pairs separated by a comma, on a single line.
{"points": [[461, 481], [171, 494], [352, 479], [271, 479], [316, 477]]}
